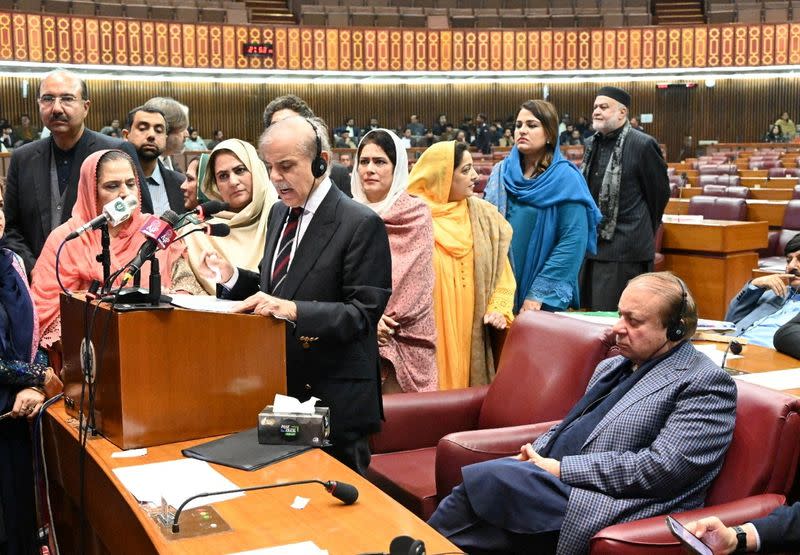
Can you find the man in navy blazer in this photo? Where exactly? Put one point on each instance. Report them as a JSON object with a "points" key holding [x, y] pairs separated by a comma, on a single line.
{"points": [[647, 438], [42, 179], [333, 291], [767, 302], [779, 531]]}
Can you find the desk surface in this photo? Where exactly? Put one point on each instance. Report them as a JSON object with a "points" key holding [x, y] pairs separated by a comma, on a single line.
{"points": [[258, 519], [756, 358]]}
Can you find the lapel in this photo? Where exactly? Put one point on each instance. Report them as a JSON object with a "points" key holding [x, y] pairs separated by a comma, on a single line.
{"points": [[315, 239], [660, 376], [40, 162], [173, 188]]}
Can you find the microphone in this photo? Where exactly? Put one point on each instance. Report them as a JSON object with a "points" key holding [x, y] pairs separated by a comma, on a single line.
{"points": [[345, 493], [212, 230], [114, 213], [204, 211], [160, 233]]}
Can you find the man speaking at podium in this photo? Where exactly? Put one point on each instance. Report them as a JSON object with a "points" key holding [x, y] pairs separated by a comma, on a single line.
{"points": [[327, 270]]}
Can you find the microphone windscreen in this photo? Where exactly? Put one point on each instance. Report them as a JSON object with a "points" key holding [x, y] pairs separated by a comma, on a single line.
{"points": [[170, 217], [212, 207], [736, 347], [345, 493], [218, 230], [402, 545]]}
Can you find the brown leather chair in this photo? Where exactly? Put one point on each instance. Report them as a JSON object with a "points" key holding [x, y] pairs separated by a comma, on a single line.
{"points": [[714, 190], [719, 208], [757, 474], [778, 239], [759, 470], [544, 368], [734, 191]]}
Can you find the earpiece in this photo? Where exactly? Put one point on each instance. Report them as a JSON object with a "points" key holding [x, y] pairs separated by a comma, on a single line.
{"points": [[676, 330], [318, 165]]}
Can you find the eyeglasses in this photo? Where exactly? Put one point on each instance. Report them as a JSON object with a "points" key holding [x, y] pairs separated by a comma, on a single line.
{"points": [[65, 99]]}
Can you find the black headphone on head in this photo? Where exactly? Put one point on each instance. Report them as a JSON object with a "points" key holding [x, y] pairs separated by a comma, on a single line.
{"points": [[318, 165], [676, 328]]}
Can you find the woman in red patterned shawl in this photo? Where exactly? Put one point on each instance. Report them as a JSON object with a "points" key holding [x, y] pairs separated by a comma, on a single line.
{"points": [[407, 330]]}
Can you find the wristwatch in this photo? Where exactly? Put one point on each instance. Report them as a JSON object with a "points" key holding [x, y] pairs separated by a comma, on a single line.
{"points": [[741, 539]]}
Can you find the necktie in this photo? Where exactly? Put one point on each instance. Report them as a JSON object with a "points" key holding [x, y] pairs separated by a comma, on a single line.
{"points": [[285, 249]]}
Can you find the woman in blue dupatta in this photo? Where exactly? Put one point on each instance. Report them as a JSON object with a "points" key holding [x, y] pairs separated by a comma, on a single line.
{"points": [[547, 202], [24, 380]]}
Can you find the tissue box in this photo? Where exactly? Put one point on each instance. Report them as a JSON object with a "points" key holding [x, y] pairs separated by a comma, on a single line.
{"points": [[292, 428]]}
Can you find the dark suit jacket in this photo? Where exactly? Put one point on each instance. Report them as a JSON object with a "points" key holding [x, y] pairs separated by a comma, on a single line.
{"points": [[27, 196], [341, 178], [643, 196], [787, 338], [172, 182], [340, 278], [780, 530]]}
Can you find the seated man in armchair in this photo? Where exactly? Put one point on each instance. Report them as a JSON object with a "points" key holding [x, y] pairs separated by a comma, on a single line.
{"points": [[647, 438]]}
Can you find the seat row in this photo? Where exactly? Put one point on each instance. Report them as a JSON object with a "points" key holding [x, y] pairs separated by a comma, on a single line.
{"points": [[469, 18], [188, 11], [604, 5], [769, 11]]}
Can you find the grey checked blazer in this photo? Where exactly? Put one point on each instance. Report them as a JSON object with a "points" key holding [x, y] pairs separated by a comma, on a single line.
{"points": [[655, 452]]}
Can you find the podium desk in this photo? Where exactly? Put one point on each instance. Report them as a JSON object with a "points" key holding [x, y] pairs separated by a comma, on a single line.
{"points": [[756, 358], [714, 258], [118, 525]]}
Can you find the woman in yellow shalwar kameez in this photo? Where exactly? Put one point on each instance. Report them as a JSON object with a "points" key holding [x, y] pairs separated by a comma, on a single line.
{"points": [[474, 285]]}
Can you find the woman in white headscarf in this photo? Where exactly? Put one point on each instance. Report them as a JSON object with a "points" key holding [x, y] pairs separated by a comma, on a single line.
{"points": [[407, 330], [235, 175]]}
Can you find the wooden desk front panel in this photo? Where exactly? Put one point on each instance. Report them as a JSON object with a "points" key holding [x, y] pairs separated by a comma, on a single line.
{"points": [[715, 236], [755, 194], [175, 375], [258, 519], [713, 280]]}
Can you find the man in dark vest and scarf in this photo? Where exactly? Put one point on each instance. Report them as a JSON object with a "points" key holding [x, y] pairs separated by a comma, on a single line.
{"points": [[627, 176]]}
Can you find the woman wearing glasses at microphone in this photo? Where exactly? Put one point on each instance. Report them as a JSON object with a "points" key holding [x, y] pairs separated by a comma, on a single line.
{"points": [[237, 176], [105, 176], [25, 382]]}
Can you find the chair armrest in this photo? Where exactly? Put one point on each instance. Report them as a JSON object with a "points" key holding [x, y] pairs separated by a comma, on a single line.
{"points": [[772, 245], [651, 535], [419, 420], [458, 450]]}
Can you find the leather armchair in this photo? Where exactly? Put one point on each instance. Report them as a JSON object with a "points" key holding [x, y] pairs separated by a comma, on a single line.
{"points": [[719, 208], [761, 460], [546, 362], [777, 239]]}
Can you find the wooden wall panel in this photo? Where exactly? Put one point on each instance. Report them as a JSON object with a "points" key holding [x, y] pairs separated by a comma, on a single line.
{"points": [[735, 110], [109, 41]]}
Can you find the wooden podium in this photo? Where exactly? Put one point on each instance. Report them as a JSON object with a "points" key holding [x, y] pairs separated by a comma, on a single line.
{"points": [[714, 258], [172, 375]]}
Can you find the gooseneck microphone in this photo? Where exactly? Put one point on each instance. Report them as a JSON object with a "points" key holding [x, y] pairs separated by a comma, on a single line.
{"points": [[160, 232], [345, 493], [114, 213], [734, 346], [213, 230], [205, 211]]}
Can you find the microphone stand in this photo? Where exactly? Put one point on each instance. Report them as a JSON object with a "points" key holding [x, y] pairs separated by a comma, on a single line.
{"points": [[105, 254], [155, 281]]}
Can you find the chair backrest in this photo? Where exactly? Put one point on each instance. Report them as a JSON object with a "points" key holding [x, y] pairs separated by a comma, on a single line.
{"points": [[728, 180], [765, 448], [546, 364], [708, 179], [719, 208], [796, 193], [714, 190], [734, 191], [776, 172], [791, 216]]}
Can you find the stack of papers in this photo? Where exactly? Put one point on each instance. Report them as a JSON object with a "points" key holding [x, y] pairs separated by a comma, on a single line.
{"points": [[302, 548], [777, 379], [175, 481], [203, 303]]}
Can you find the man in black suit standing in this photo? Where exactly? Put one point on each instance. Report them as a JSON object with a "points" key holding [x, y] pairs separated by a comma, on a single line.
{"points": [[327, 271], [779, 531], [146, 129], [627, 176], [42, 179]]}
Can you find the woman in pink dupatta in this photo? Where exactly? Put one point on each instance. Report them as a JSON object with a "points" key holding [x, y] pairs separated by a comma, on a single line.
{"points": [[407, 330], [105, 175]]}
